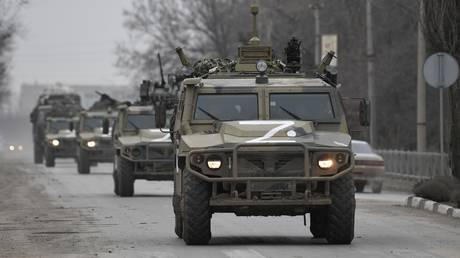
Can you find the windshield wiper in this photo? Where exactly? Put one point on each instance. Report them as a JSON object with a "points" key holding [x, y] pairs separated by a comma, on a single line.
{"points": [[208, 114], [134, 125], [290, 113]]}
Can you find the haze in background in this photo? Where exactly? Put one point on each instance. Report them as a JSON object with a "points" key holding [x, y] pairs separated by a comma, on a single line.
{"points": [[69, 41]]}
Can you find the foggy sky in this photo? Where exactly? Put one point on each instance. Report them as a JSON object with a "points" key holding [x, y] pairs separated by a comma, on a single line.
{"points": [[69, 41]]}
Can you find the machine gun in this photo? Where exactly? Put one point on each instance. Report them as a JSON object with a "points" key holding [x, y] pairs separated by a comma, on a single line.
{"points": [[326, 72], [105, 102], [163, 82]]}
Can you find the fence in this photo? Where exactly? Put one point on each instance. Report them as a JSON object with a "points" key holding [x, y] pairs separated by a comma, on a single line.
{"points": [[415, 165]]}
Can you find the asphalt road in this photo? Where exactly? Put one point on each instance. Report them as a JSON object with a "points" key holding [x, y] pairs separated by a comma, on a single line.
{"points": [[58, 213]]}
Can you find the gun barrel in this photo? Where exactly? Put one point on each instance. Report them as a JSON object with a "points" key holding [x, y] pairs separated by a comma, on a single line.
{"points": [[325, 62], [161, 71], [183, 59]]}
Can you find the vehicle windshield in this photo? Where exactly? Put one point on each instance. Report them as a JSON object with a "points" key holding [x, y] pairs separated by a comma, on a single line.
{"points": [[226, 107], [301, 106], [361, 147], [56, 126], [136, 122], [91, 123]]}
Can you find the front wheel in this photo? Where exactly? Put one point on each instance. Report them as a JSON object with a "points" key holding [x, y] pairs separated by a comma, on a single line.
{"points": [[83, 162], [125, 178], [341, 212], [115, 175], [197, 214], [49, 157], [38, 153], [360, 186], [377, 187], [318, 223]]}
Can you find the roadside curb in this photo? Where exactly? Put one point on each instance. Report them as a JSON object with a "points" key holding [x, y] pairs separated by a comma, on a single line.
{"points": [[435, 207]]}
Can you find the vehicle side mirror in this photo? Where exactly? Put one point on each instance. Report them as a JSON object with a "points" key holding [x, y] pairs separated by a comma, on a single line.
{"points": [[71, 126], [160, 115], [105, 126], [364, 112]]}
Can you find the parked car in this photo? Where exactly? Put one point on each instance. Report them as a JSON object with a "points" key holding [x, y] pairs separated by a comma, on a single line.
{"points": [[369, 167]]}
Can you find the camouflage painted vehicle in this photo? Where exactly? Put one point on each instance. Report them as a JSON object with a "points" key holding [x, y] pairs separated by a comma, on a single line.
{"points": [[60, 139], [94, 141], [58, 104], [142, 150], [255, 137]]}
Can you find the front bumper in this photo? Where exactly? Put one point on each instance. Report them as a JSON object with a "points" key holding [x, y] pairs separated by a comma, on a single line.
{"points": [[273, 191], [155, 162], [102, 152], [66, 149]]}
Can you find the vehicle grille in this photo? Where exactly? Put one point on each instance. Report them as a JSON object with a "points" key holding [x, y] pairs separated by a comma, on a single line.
{"points": [[271, 164], [160, 152], [105, 144]]}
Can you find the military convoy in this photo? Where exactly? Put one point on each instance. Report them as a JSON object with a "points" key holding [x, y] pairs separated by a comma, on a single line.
{"points": [[253, 136], [256, 137]]}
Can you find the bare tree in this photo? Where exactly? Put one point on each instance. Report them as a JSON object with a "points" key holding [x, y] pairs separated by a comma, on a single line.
{"points": [[9, 10], [442, 30], [201, 27]]}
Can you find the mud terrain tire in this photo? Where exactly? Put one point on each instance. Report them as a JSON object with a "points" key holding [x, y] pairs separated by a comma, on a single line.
{"points": [[341, 212], [83, 164], [49, 158], [38, 153], [125, 178], [197, 214], [318, 223], [115, 175]]}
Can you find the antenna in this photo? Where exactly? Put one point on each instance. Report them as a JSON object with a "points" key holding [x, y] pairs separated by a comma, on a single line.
{"points": [[163, 83], [255, 37]]}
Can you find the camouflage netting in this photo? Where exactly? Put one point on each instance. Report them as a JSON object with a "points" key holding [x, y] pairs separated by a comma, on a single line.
{"points": [[439, 189]]}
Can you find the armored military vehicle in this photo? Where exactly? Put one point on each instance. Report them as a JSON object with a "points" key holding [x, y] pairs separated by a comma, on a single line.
{"points": [[256, 137], [142, 149], [58, 104], [94, 140], [60, 139]]}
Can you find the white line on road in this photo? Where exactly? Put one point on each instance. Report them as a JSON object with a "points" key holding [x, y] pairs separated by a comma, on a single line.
{"points": [[242, 253]]}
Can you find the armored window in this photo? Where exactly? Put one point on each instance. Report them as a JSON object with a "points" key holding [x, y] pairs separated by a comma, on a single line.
{"points": [[226, 107], [56, 126], [301, 106], [136, 122], [91, 123]]}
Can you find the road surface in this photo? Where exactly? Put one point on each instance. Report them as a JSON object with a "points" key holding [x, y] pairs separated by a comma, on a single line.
{"points": [[58, 213]]}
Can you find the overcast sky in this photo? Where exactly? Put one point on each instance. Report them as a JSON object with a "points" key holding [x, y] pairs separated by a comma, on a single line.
{"points": [[69, 41]]}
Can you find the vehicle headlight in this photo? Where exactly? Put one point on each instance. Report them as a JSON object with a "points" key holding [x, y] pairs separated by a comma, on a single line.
{"points": [[325, 162], [214, 163], [20, 147], [136, 152], [55, 142], [11, 148], [91, 144]]}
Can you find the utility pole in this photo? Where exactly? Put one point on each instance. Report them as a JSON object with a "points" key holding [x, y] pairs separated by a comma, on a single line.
{"points": [[421, 87], [370, 72], [316, 7]]}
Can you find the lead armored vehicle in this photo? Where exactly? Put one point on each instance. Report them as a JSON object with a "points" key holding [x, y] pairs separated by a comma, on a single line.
{"points": [[142, 149], [256, 137], [60, 139], [94, 140], [57, 104]]}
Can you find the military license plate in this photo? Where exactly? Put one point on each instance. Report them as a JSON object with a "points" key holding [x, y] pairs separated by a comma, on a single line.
{"points": [[271, 186]]}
